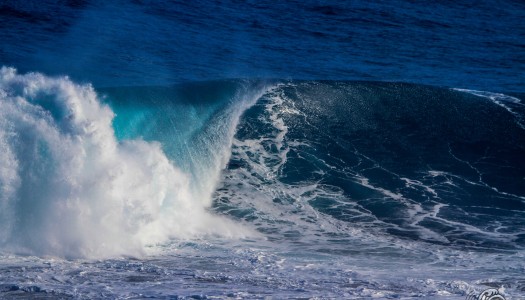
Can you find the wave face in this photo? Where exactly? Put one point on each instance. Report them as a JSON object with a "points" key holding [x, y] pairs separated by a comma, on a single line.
{"points": [[72, 187], [396, 160]]}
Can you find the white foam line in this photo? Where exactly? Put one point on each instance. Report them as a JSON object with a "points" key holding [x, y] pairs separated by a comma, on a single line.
{"points": [[278, 123], [491, 95], [365, 182], [434, 174], [410, 183], [498, 99], [470, 228], [480, 183], [480, 174], [416, 213]]}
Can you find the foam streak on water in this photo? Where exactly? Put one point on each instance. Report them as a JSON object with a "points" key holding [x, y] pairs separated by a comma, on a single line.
{"points": [[502, 100]]}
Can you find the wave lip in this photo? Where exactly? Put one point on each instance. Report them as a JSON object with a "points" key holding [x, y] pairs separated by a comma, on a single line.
{"points": [[69, 188]]}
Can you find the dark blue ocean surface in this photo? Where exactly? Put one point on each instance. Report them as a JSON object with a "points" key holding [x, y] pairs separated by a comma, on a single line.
{"points": [[253, 149], [466, 44]]}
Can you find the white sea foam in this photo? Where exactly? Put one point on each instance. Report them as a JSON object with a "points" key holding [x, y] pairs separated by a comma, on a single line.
{"points": [[500, 99], [69, 188]]}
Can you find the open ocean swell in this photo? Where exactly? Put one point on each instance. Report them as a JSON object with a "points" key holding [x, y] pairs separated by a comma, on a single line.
{"points": [[475, 45]]}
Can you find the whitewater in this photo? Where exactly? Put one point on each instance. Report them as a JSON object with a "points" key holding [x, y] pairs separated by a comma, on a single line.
{"points": [[71, 189]]}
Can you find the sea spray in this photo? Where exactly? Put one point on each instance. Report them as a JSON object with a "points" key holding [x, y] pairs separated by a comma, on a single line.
{"points": [[194, 122], [70, 188]]}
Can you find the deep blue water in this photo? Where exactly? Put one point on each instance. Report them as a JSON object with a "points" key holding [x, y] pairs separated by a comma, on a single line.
{"points": [[252, 149], [466, 44]]}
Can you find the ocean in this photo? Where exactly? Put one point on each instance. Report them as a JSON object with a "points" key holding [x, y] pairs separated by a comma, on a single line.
{"points": [[262, 150]]}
